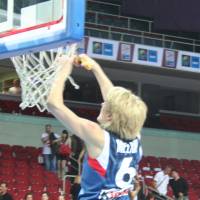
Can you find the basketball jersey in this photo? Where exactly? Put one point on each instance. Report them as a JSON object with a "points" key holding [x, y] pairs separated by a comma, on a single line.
{"points": [[110, 175]]}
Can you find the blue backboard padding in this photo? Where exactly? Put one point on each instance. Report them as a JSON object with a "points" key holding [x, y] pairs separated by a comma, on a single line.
{"points": [[74, 31]]}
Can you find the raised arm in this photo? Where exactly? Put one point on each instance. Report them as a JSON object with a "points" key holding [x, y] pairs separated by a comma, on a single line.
{"points": [[88, 131], [103, 80]]}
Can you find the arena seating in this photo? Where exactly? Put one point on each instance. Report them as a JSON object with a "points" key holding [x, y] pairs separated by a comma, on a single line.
{"points": [[177, 122], [9, 106], [189, 169], [136, 30], [20, 169]]}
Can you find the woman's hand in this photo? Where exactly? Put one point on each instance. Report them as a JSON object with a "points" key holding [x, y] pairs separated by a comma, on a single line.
{"points": [[86, 62]]}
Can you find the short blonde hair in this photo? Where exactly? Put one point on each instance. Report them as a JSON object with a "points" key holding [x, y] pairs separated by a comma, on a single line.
{"points": [[128, 113]]}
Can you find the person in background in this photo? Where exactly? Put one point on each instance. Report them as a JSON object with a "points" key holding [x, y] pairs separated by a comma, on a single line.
{"points": [[61, 197], [63, 157], [150, 196], [161, 180], [80, 159], [49, 156], [4, 195], [179, 186], [28, 196], [76, 187], [5, 88], [136, 189], [45, 196], [16, 88]]}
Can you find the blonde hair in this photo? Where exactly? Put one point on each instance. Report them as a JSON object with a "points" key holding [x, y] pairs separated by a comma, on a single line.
{"points": [[128, 113]]}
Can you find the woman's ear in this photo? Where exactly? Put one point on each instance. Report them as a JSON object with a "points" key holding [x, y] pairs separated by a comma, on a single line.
{"points": [[109, 117]]}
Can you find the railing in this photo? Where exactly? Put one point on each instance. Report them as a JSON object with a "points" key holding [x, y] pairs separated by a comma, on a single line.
{"points": [[141, 29], [112, 5], [157, 195], [139, 37], [64, 181]]}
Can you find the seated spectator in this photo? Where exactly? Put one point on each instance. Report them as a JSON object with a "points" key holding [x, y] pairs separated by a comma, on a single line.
{"points": [[161, 180], [45, 196], [179, 186], [150, 196], [4, 195], [61, 197], [5, 88], [16, 88], [136, 189], [28, 196]]}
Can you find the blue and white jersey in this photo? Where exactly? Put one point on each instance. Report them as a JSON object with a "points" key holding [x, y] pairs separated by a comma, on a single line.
{"points": [[110, 176]]}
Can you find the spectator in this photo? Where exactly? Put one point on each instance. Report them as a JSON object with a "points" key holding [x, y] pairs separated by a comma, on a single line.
{"points": [[5, 88], [48, 138], [28, 196], [136, 189], [77, 181], [45, 196], [179, 186], [4, 195], [76, 146], [161, 180], [61, 197], [62, 157], [80, 159], [16, 88], [150, 196]]}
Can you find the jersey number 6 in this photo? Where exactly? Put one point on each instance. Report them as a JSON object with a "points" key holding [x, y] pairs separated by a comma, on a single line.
{"points": [[125, 173]]}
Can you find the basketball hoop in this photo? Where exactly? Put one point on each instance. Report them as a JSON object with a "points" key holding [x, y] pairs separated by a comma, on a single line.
{"points": [[37, 72]]}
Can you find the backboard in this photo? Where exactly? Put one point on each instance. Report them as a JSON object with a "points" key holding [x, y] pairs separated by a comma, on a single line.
{"points": [[36, 25]]}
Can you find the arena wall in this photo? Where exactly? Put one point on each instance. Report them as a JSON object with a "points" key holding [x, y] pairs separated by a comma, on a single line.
{"points": [[27, 130]]}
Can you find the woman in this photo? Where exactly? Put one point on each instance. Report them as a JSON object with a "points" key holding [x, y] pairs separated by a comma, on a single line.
{"points": [[62, 158], [113, 144]]}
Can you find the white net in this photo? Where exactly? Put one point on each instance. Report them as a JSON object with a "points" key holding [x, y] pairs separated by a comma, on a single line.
{"points": [[37, 72]]}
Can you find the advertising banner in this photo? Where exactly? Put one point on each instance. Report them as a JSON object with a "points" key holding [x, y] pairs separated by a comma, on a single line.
{"points": [[103, 49], [188, 61], [148, 55]]}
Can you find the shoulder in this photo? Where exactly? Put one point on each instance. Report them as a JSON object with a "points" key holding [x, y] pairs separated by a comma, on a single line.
{"points": [[182, 179], [159, 174]]}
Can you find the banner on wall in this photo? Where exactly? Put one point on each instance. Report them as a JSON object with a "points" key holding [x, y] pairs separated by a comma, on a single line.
{"points": [[169, 58], [125, 52], [148, 55], [188, 61], [140, 54], [103, 49]]}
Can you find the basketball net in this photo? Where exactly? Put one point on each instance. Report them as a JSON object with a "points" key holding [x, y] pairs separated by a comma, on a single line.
{"points": [[37, 72]]}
